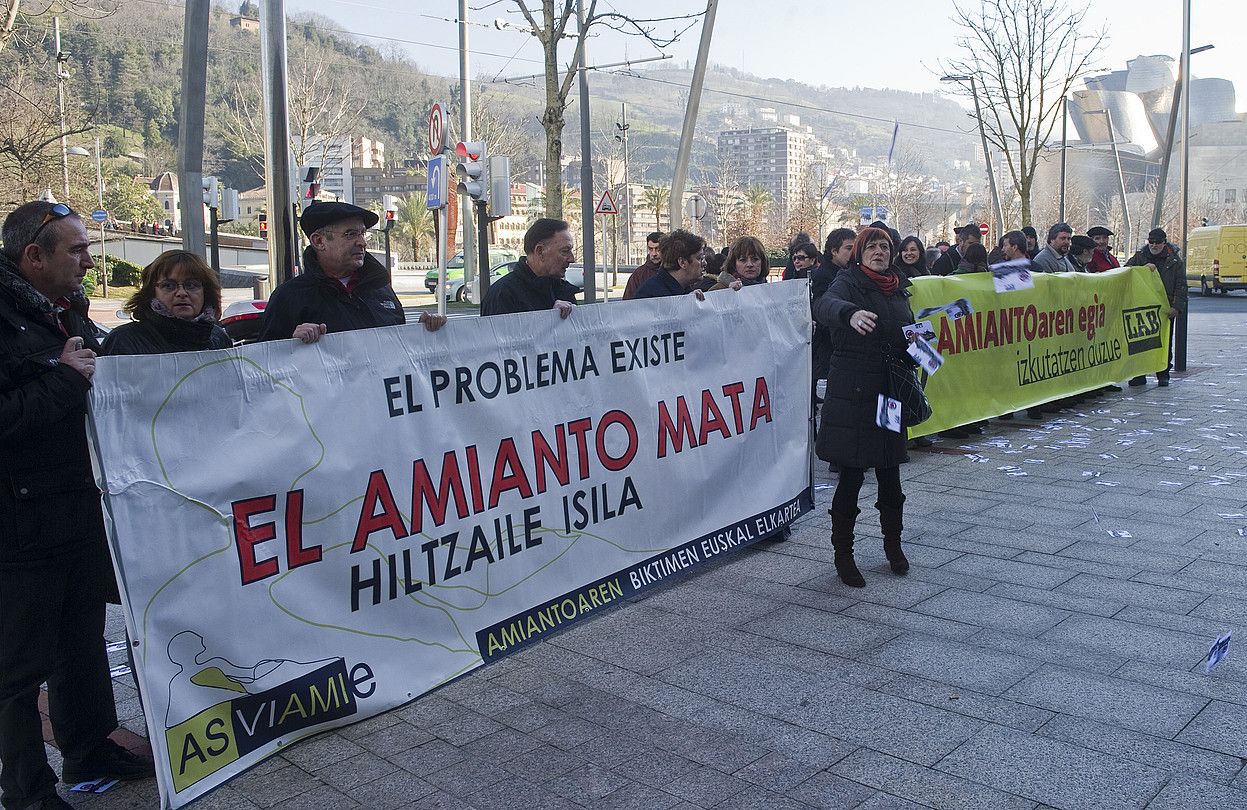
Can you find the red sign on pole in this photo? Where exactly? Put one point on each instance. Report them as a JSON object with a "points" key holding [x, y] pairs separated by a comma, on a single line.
{"points": [[437, 130], [983, 229]]}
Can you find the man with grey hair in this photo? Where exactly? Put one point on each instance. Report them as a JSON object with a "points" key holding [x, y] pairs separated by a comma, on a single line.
{"points": [[55, 572], [1054, 258]]}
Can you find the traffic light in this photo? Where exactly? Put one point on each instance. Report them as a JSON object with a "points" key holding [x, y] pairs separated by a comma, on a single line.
{"points": [[263, 225], [473, 172], [211, 190], [229, 205]]}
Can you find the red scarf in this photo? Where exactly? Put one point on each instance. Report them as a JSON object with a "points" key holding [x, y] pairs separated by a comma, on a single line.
{"points": [[887, 281]]}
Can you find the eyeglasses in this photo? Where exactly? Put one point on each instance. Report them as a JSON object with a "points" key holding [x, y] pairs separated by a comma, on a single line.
{"points": [[58, 211], [801, 257], [353, 234], [170, 286], [1156, 242]]}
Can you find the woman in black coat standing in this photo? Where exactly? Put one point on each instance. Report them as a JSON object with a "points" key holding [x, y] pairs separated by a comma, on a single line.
{"points": [[865, 308], [174, 310]]}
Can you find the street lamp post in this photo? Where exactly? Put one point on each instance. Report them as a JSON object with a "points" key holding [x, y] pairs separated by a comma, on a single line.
{"points": [[1179, 350], [99, 186], [987, 158]]}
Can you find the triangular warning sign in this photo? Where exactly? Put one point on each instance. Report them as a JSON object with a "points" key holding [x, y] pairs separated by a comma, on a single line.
{"points": [[606, 205]]}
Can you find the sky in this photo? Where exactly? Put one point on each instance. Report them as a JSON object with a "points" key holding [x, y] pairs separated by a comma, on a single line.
{"points": [[896, 44]]}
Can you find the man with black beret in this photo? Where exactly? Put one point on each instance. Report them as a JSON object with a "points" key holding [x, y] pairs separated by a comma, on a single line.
{"points": [[1080, 251], [342, 287], [1102, 258]]}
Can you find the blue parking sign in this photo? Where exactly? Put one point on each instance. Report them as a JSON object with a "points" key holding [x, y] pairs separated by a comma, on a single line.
{"points": [[435, 191]]}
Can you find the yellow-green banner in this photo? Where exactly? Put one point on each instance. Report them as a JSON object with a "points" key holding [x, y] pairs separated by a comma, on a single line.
{"points": [[1073, 332]]}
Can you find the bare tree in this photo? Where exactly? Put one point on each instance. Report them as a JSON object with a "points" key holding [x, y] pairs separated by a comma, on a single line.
{"points": [[30, 130], [1025, 56], [549, 21], [322, 109], [12, 11]]}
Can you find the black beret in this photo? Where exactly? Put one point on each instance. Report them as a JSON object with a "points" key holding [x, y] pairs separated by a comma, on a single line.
{"points": [[318, 215], [1099, 230], [1081, 244]]}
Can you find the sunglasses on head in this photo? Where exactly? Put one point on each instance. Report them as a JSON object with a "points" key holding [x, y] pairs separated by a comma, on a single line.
{"points": [[58, 211]]}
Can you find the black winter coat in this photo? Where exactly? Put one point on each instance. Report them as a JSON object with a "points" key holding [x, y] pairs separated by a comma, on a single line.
{"points": [[847, 433], [49, 504], [313, 297], [661, 285], [522, 290], [821, 277], [160, 334]]}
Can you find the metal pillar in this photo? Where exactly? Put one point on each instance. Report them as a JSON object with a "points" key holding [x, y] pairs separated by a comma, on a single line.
{"points": [[191, 124], [1180, 332], [623, 133], [465, 128], [1121, 177], [278, 165], [1064, 149], [676, 203], [61, 76], [586, 167]]}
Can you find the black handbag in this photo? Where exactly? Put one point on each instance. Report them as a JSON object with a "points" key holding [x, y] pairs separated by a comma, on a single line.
{"points": [[904, 388]]}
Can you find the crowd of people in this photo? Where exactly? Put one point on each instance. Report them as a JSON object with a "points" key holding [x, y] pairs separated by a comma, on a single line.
{"points": [[55, 573]]}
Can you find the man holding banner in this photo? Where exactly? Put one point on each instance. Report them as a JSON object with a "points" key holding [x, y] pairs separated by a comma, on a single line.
{"points": [[1162, 256], [537, 282], [343, 287], [55, 574]]}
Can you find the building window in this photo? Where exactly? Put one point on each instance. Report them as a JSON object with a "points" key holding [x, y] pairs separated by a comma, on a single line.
{"points": [[1231, 196]]}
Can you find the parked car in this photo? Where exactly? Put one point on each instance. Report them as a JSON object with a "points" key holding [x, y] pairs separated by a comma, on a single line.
{"points": [[575, 275], [455, 287]]}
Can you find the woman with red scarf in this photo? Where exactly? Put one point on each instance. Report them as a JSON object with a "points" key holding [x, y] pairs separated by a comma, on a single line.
{"points": [[865, 308]]}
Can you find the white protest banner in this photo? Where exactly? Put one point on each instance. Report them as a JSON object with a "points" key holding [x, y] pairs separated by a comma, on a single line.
{"points": [[307, 536]]}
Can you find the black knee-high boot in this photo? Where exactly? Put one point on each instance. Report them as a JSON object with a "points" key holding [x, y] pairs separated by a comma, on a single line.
{"points": [[891, 521], [842, 523]]}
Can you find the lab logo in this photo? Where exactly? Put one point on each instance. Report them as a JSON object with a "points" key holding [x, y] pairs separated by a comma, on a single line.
{"points": [[219, 712], [1142, 326]]}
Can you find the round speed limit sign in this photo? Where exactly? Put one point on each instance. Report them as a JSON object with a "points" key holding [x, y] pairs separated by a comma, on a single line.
{"points": [[437, 130]]}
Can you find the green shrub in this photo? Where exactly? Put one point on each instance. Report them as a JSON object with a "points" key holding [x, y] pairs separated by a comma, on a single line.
{"points": [[88, 284], [122, 273]]}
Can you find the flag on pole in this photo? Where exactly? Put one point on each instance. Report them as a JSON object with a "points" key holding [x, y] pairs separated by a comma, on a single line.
{"points": [[896, 127]]}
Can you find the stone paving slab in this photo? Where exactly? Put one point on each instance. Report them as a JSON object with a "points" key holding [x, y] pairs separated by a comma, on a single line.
{"points": [[1045, 651]]}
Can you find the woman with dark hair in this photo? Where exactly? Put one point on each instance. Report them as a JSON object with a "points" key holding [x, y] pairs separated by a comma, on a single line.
{"points": [[683, 264], [866, 309], [911, 259], [174, 310], [746, 259]]}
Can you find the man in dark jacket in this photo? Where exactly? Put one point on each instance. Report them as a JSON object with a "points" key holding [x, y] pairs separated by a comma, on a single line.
{"points": [[683, 263], [949, 260], [342, 287], [644, 272], [1164, 257], [537, 282], [55, 574]]}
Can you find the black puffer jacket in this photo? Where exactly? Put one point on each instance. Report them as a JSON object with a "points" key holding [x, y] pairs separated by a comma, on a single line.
{"points": [[161, 334], [49, 505], [314, 297], [847, 434]]}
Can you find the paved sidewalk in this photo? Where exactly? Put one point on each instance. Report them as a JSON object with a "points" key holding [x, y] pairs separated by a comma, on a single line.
{"points": [[1045, 650]]}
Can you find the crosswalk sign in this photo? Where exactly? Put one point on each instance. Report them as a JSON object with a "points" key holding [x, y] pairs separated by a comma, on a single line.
{"points": [[606, 205]]}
